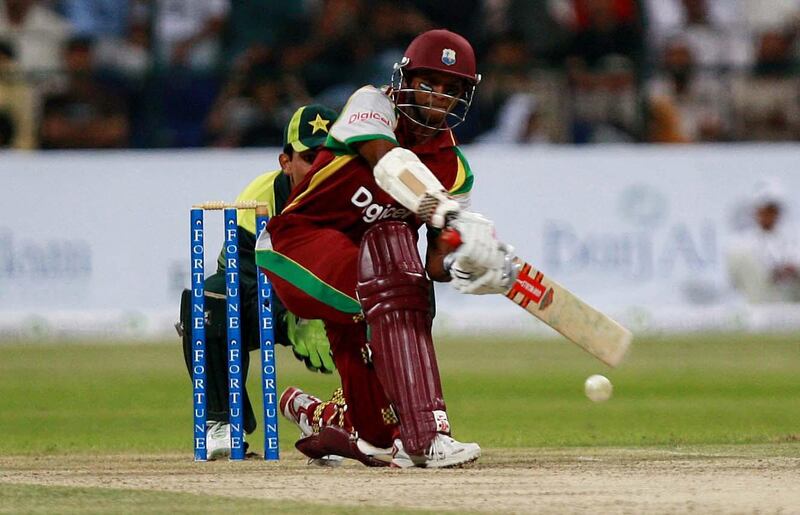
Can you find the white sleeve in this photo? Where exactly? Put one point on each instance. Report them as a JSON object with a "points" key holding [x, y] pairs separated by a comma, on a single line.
{"points": [[369, 114]]}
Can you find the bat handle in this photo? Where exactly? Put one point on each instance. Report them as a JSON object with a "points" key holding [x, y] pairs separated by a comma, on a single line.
{"points": [[452, 239]]}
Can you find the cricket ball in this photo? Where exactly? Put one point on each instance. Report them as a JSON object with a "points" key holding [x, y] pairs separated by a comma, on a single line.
{"points": [[598, 388]]}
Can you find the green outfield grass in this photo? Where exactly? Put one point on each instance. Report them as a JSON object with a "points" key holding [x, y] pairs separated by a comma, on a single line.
{"points": [[711, 389]]}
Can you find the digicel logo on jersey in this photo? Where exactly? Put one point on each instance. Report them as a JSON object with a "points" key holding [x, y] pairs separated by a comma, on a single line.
{"points": [[371, 212], [370, 115]]}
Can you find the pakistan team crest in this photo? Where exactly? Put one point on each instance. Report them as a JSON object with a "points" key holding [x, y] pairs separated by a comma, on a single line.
{"points": [[449, 56]]}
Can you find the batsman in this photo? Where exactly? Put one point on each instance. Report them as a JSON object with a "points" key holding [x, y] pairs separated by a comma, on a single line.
{"points": [[344, 250]]}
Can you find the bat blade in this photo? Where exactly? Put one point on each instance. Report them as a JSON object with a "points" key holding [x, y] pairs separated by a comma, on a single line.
{"points": [[579, 322]]}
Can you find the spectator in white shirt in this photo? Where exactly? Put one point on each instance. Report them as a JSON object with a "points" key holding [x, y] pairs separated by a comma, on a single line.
{"points": [[764, 261], [36, 34], [698, 100], [188, 32], [714, 29]]}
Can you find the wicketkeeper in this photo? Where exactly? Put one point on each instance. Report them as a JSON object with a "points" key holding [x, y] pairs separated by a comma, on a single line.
{"points": [[303, 137], [344, 250]]}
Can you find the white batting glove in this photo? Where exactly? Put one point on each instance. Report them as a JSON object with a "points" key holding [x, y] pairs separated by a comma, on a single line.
{"points": [[478, 248], [445, 209], [474, 279]]}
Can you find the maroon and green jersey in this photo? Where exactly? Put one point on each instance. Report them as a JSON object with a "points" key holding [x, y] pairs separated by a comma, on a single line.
{"points": [[340, 192]]}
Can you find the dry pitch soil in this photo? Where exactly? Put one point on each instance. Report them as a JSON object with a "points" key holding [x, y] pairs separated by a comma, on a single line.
{"points": [[735, 479]]}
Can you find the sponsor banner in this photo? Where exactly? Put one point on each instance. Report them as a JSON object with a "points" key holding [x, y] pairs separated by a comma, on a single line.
{"points": [[98, 242]]}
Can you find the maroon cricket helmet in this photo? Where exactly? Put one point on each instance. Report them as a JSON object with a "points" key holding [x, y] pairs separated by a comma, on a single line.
{"points": [[442, 51]]}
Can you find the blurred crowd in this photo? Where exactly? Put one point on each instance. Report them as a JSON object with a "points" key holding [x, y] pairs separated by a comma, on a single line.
{"points": [[224, 73]]}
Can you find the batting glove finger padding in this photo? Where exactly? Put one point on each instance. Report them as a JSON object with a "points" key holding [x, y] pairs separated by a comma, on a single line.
{"points": [[492, 281], [497, 277]]}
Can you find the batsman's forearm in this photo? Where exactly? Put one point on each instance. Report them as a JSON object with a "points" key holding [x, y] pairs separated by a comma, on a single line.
{"points": [[401, 174], [434, 260]]}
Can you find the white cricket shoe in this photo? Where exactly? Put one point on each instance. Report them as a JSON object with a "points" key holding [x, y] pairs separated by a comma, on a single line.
{"points": [[218, 439], [444, 452]]}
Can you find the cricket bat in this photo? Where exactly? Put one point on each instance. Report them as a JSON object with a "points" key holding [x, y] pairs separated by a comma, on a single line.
{"points": [[556, 306]]}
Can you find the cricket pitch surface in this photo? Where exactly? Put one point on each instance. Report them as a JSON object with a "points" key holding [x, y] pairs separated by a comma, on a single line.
{"points": [[701, 479]]}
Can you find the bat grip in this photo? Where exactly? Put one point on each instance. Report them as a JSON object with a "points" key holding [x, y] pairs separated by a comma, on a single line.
{"points": [[453, 239]]}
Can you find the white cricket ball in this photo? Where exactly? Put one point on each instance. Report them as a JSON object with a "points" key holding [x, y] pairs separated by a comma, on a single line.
{"points": [[598, 388]]}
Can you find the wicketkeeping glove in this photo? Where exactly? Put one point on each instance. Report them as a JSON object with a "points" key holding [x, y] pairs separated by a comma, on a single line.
{"points": [[310, 343]]}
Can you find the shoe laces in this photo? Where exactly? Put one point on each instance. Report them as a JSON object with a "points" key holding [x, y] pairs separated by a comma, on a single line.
{"points": [[339, 407], [438, 448]]}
